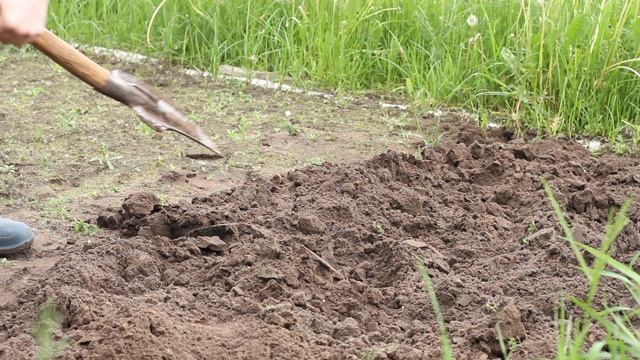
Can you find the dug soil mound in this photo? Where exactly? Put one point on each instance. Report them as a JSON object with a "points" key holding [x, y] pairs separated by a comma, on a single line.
{"points": [[321, 262]]}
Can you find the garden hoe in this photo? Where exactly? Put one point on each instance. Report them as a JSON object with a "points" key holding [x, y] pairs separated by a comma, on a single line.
{"points": [[150, 106]]}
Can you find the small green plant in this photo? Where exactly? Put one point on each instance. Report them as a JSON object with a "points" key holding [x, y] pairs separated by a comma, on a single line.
{"points": [[266, 304], [490, 306], [291, 128], [144, 128], [38, 133], [530, 230], [164, 199], [105, 157], [315, 161], [507, 348], [86, 229], [46, 161], [239, 134], [3, 262], [377, 227], [447, 349], [56, 208], [7, 169], [36, 91], [49, 321], [67, 122]]}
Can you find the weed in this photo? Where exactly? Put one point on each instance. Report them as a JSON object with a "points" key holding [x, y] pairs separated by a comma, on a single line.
{"points": [[144, 128], [315, 161], [290, 128], [447, 350], [4, 262], [67, 122], [46, 161], [36, 91], [86, 229], [239, 134], [621, 341], [56, 208], [7, 169], [38, 133], [49, 321], [530, 230], [377, 227], [164, 199], [105, 157], [266, 304], [490, 305]]}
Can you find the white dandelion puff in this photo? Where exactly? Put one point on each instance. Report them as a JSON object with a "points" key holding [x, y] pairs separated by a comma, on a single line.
{"points": [[472, 20]]}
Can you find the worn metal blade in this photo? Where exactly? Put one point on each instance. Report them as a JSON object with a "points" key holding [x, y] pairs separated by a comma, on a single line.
{"points": [[154, 109]]}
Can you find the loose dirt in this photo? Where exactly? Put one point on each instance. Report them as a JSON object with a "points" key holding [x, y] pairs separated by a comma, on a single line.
{"points": [[290, 259]]}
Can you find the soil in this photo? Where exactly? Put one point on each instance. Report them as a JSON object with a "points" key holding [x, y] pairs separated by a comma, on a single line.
{"points": [[301, 244]]}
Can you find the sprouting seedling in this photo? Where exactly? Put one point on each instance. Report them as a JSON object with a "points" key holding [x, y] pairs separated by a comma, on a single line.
{"points": [[377, 227], [105, 157], [144, 128], [241, 133], [530, 229], [291, 128], [7, 169], [315, 161]]}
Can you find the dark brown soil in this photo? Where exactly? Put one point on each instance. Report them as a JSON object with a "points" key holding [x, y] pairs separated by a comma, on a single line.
{"points": [[319, 262]]}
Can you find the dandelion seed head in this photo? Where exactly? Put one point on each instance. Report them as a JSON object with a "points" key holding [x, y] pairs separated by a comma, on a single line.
{"points": [[472, 20]]}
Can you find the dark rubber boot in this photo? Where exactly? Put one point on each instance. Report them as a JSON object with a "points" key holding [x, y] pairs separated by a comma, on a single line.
{"points": [[14, 236]]}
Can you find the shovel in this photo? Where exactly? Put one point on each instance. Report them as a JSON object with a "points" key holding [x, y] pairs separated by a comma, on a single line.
{"points": [[152, 108]]}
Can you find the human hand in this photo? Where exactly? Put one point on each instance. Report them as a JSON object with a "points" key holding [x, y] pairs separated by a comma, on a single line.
{"points": [[22, 20]]}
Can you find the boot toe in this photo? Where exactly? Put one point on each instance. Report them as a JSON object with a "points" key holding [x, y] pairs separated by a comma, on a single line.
{"points": [[14, 236]]}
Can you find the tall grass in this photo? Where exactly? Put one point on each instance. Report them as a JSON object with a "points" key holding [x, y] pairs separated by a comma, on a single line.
{"points": [[622, 340], [567, 66]]}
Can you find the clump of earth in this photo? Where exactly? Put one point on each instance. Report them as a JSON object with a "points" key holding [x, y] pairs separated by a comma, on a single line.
{"points": [[321, 262]]}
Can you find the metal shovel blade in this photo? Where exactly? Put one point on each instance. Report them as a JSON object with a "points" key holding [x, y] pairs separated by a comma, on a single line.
{"points": [[153, 109]]}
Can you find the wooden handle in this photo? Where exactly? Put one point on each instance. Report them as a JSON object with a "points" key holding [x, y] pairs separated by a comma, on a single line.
{"points": [[72, 60]]}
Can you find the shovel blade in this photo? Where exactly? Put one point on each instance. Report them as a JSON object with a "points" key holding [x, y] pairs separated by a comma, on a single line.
{"points": [[154, 109]]}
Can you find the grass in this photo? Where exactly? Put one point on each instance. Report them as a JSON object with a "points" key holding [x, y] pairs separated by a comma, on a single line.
{"points": [[560, 66], [49, 321], [622, 339]]}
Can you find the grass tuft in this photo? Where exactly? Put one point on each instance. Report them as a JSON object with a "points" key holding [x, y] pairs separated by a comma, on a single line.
{"points": [[622, 339], [447, 349]]}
